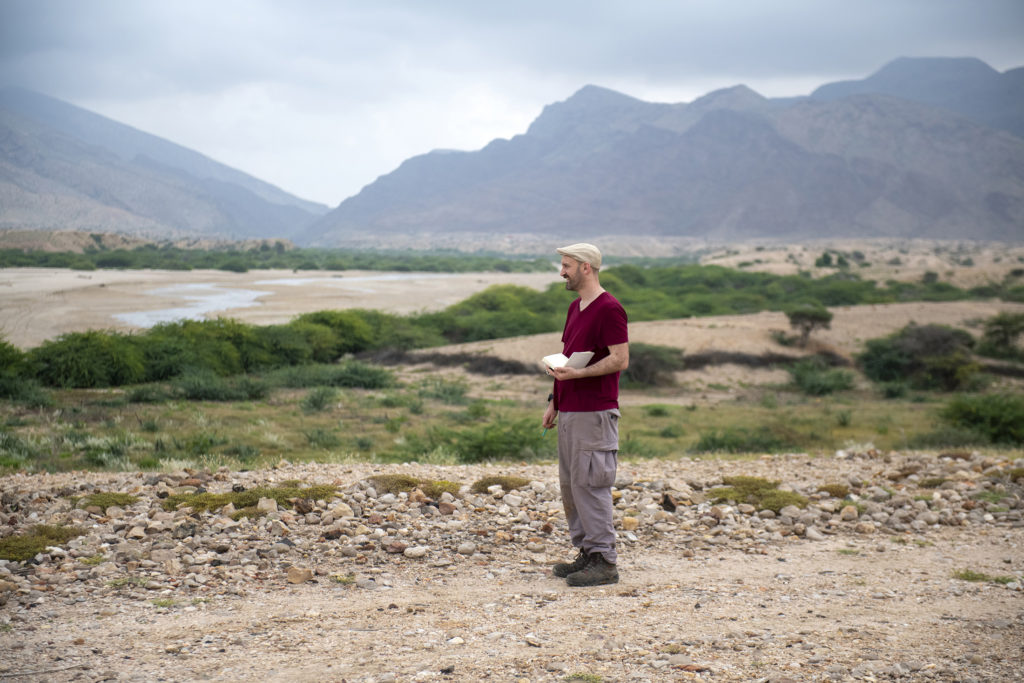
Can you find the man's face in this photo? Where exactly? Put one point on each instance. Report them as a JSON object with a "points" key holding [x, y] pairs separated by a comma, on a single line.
{"points": [[572, 272]]}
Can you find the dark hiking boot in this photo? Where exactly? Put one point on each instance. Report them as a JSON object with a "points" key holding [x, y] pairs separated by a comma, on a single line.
{"points": [[598, 572], [563, 569]]}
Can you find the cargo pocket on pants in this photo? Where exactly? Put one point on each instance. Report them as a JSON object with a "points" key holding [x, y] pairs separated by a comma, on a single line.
{"points": [[601, 466]]}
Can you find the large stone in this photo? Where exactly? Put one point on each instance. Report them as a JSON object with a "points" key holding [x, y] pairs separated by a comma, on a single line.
{"points": [[266, 505], [299, 574]]}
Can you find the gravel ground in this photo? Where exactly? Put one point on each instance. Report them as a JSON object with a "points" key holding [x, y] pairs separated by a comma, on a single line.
{"points": [[372, 586]]}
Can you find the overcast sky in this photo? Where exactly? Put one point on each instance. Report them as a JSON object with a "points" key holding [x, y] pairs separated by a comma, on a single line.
{"points": [[320, 97]]}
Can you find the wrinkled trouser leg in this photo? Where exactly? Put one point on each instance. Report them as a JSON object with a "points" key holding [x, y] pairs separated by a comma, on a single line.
{"points": [[587, 460]]}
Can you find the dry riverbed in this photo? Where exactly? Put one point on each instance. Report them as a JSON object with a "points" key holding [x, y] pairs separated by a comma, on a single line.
{"points": [[375, 586]]}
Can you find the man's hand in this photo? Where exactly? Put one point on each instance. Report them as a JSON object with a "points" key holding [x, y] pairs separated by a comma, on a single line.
{"points": [[566, 372], [548, 421]]}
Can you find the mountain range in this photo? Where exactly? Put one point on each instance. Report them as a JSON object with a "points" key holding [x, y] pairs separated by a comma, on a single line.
{"points": [[65, 168], [923, 148]]}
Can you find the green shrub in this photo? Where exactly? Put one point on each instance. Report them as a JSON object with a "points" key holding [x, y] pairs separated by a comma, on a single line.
{"points": [[351, 333], [740, 440], [319, 399], [998, 418], [349, 374], [652, 366], [812, 376], [149, 393], [322, 438], [24, 390], [87, 360], [1001, 334], [947, 437], [206, 386], [496, 440], [451, 392], [924, 356]]}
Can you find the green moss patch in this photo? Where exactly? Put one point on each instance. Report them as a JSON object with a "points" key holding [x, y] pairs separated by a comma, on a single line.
{"points": [[246, 501], [506, 483], [973, 576], [761, 493], [104, 500], [24, 547], [399, 483], [835, 490]]}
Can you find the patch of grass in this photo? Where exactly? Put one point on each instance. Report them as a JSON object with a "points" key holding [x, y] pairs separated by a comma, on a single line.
{"points": [[762, 439], [815, 378], [450, 392], [761, 493], [981, 577], [163, 602], [105, 500], [932, 482], [835, 490], [284, 495], [990, 496], [344, 579], [657, 410], [848, 551], [507, 483], [123, 581], [319, 399], [322, 438], [399, 483], [24, 547], [93, 560], [585, 677]]}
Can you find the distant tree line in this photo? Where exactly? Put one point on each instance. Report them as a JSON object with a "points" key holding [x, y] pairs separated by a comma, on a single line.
{"points": [[267, 257]]}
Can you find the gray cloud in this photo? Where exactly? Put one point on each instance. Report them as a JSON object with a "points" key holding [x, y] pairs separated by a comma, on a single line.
{"points": [[321, 96]]}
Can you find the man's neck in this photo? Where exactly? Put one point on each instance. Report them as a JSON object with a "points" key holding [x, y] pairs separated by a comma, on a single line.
{"points": [[588, 295]]}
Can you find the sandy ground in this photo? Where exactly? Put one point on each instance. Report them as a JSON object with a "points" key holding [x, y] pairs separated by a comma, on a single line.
{"points": [[37, 304]]}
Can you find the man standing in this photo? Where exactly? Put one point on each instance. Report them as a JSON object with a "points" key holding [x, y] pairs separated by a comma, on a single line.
{"points": [[585, 402]]}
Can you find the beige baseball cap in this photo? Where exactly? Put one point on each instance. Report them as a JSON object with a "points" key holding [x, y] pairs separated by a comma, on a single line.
{"points": [[584, 253]]}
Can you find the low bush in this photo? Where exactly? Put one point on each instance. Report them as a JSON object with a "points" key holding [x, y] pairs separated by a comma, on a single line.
{"points": [[812, 376], [997, 418], [652, 366], [206, 386], [924, 356], [87, 360], [451, 392], [319, 399], [740, 440], [495, 440]]}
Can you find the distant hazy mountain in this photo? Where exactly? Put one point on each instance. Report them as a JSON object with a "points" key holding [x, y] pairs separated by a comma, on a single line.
{"points": [[64, 168], [924, 148]]}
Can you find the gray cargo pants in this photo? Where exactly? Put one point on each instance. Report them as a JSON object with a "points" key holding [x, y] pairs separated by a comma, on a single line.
{"points": [[588, 446]]}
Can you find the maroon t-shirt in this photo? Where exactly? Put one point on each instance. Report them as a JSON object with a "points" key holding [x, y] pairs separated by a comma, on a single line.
{"points": [[600, 325]]}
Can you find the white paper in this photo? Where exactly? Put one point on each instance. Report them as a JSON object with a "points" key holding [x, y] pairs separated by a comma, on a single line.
{"points": [[578, 360]]}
